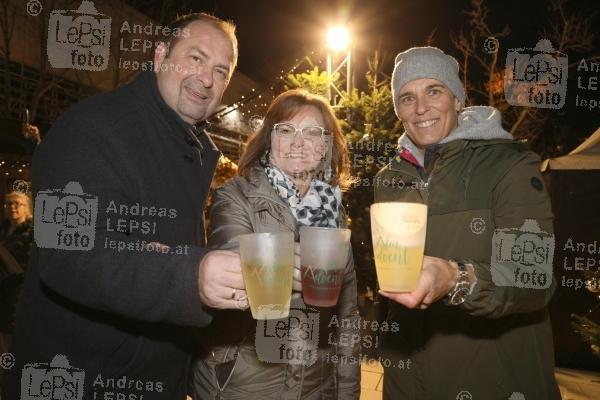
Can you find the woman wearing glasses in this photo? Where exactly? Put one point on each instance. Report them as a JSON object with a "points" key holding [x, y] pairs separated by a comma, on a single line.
{"points": [[16, 237], [290, 175]]}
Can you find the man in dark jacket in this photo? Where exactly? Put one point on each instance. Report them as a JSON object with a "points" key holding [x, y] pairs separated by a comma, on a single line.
{"points": [[120, 271], [477, 324]]}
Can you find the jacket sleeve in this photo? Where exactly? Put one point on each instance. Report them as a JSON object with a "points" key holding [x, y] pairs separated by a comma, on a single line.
{"points": [[228, 219], [139, 285], [348, 368], [519, 196]]}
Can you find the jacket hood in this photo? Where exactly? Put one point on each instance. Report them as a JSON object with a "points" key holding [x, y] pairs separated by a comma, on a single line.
{"points": [[474, 123]]}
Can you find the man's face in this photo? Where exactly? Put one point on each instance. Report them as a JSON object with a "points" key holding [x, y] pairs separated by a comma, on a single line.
{"points": [[193, 77], [428, 110]]}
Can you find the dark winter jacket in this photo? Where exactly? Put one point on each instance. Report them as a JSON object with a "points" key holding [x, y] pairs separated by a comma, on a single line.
{"points": [[119, 312], [252, 205], [481, 190], [18, 243]]}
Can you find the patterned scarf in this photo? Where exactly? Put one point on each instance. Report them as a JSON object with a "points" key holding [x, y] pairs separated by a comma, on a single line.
{"points": [[319, 207]]}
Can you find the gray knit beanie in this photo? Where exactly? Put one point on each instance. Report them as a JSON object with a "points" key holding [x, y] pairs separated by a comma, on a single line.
{"points": [[426, 62]]}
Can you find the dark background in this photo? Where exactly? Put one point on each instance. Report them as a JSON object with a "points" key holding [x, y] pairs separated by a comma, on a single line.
{"points": [[273, 34]]}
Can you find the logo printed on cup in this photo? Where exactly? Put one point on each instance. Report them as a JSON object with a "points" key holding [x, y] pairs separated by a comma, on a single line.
{"points": [[522, 257], [291, 340], [57, 380], [65, 219], [79, 39], [536, 77]]}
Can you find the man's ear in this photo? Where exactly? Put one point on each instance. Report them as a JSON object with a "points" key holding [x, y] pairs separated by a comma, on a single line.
{"points": [[159, 55]]}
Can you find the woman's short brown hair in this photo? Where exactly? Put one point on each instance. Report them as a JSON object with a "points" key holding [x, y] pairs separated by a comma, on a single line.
{"points": [[283, 108]]}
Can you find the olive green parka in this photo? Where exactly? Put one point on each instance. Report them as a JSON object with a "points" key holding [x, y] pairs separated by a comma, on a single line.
{"points": [[481, 188]]}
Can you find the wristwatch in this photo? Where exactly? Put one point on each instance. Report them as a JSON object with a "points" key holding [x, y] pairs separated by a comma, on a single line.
{"points": [[461, 289]]}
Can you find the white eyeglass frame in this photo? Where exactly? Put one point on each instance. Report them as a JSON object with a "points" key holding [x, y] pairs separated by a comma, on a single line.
{"points": [[324, 132]]}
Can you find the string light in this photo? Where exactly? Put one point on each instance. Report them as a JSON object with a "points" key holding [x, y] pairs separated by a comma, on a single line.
{"points": [[253, 93]]}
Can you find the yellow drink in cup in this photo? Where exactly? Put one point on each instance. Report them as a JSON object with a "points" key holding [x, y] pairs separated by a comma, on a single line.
{"points": [[267, 266], [398, 231]]}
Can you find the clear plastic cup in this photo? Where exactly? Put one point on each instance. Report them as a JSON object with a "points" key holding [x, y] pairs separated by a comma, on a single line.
{"points": [[267, 265], [398, 231], [323, 256]]}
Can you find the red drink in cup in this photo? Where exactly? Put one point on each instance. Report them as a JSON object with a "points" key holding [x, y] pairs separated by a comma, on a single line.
{"points": [[323, 256]]}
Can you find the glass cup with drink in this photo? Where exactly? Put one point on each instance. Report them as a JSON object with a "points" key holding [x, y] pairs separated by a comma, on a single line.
{"points": [[398, 231], [323, 257], [267, 267]]}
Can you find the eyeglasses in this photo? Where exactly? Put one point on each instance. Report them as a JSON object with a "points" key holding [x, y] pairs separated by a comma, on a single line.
{"points": [[14, 203], [288, 131]]}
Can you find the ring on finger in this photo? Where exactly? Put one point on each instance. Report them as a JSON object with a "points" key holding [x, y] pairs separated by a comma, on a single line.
{"points": [[233, 291]]}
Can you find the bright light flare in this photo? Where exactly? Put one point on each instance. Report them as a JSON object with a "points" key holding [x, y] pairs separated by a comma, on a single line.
{"points": [[338, 38]]}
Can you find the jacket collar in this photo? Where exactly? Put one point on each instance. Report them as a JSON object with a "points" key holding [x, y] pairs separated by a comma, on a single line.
{"points": [[479, 125], [147, 89], [146, 86], [259, 185]]}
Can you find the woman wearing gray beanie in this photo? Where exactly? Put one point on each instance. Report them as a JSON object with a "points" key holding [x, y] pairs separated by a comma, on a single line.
{"points": [[477, 325]]}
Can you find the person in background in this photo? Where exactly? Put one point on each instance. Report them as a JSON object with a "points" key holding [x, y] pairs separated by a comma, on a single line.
{"points": [[471, 326], [16, 238], [291, 175]]}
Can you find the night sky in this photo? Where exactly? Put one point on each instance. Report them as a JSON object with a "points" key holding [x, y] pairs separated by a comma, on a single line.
{"points": [[274, 33]]}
